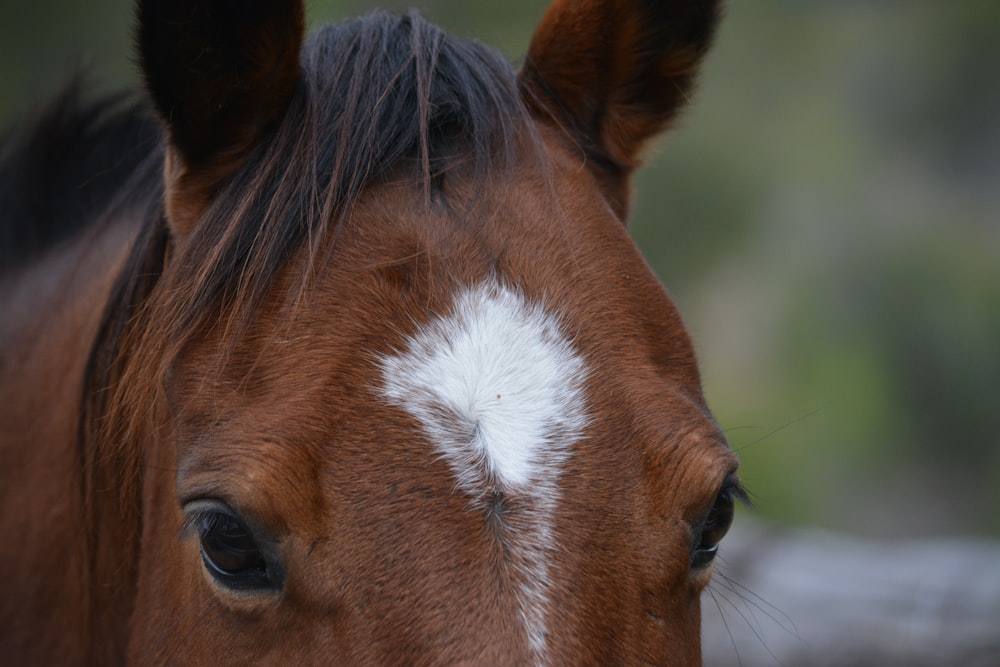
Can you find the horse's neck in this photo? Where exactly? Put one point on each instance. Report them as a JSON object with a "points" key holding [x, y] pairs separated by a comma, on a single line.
{"points": [[49, 315]]}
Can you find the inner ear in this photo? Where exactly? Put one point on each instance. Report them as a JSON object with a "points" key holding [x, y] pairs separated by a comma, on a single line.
{"points": [[220, 73], [614, 74]]}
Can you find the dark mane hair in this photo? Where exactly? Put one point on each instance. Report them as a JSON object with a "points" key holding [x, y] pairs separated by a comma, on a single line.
{"points": [[377, 94], [59, 173]]}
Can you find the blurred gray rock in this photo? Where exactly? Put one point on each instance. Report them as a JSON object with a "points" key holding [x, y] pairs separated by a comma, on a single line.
{"points": [[815, 599]]}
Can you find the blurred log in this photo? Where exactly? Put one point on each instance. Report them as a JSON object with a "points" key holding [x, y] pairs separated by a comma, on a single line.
{"points": [[813, 599]]}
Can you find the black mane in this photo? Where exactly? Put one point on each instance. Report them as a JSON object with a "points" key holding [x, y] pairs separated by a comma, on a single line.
{"points": [[376, 91], [376, 94], [60, 172]]}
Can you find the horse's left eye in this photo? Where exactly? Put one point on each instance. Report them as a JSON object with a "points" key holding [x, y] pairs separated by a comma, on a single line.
{"points": [[229, 550], [716, 524]]}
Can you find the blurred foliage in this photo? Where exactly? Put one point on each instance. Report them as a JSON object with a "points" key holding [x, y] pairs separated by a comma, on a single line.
{"points": [[827, 216]]}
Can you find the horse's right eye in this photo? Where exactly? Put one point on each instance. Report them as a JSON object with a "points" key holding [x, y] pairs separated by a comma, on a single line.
{"points": [[229, 550]]}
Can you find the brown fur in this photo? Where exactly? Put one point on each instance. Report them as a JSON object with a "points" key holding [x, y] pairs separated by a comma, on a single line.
{"points": [[235, 361]]}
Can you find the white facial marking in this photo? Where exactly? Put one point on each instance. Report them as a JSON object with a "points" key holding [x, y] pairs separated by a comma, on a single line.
{"points": [[498, 390]]}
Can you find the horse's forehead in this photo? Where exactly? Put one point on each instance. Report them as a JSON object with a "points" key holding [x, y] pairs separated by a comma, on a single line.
{"points": [[510, 307], [503, 392]]}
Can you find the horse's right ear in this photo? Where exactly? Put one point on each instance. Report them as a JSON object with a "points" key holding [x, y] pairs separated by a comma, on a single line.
{"points": [[219, 73]]}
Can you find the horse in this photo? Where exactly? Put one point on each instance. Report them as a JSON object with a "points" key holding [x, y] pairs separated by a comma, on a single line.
{"points": [[337, 350]]}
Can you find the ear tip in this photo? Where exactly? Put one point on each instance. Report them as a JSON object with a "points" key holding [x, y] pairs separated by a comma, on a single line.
{"points": [[210, 66], [219, 73]]}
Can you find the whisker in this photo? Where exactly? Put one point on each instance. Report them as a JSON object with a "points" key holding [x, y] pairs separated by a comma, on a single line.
{"points": [[757, 627], [750, 625], [777, 430], [725, 624], [739, 589]]}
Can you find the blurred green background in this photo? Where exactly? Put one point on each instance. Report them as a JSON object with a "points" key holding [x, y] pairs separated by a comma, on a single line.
{"points": [[827, 216]]}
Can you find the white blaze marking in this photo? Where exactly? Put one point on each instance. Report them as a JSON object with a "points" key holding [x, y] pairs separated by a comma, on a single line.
{"points": [[498, 389]]}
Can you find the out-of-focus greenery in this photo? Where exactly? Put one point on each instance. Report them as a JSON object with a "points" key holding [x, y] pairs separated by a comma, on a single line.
{"points": [[827, 216]]}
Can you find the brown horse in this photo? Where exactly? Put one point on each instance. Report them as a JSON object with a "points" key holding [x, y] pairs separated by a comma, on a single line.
{"points": [[343, 355]]}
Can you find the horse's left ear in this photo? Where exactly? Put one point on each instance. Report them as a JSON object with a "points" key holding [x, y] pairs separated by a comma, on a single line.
{"points": [[219, 73], [614, 73]]}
